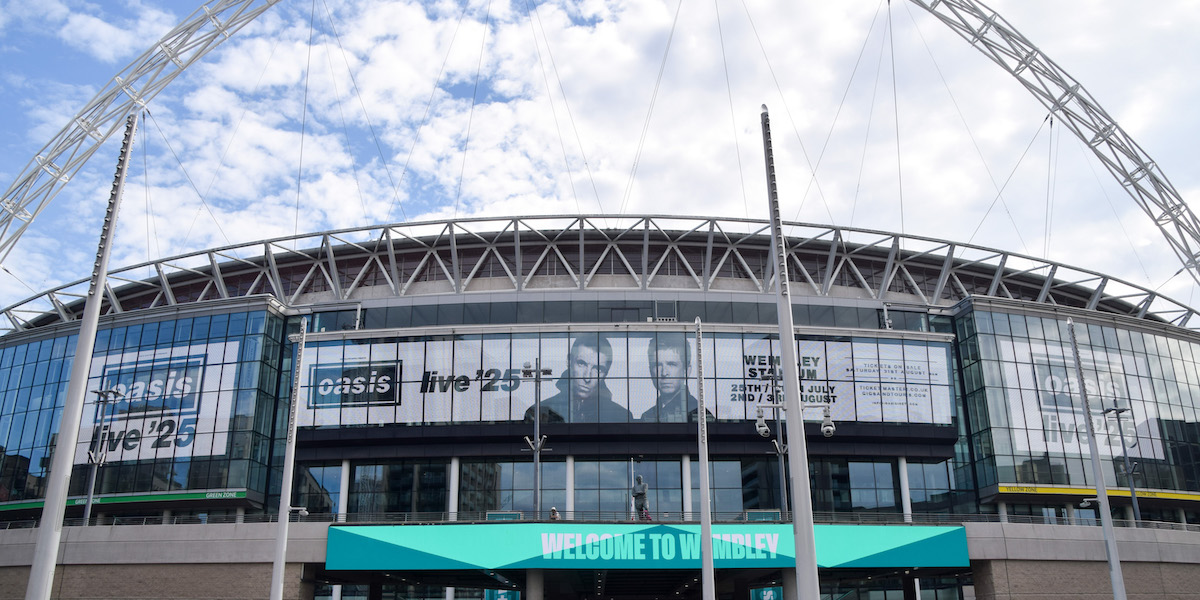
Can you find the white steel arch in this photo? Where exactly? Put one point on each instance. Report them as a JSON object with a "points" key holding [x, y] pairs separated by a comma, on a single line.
{"points": [[104, 116], [1062, 95], [983, 28]]}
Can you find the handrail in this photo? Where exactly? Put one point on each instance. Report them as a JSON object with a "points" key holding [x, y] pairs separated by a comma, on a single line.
{"points": [[752, 516]]}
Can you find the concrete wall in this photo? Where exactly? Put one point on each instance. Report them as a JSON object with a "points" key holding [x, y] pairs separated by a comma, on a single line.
{"points": [[1055, 562], [207, 581], [149, 562], [1011, 561]]}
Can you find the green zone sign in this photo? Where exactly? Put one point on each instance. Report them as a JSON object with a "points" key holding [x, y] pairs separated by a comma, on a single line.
{"points": [[630, 546]]}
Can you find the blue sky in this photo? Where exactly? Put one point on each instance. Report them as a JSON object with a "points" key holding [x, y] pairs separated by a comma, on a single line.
{"points": [[561, 101]]}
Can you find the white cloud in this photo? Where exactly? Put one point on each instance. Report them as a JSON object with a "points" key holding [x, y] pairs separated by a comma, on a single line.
{"points": [[113, 41]]}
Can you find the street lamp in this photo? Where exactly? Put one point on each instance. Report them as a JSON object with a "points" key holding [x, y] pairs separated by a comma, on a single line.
{"points": [[1115, 576], [289, 465], [538, 441], [98, 454], [808, 582], [779, 442], [1137, 512]]}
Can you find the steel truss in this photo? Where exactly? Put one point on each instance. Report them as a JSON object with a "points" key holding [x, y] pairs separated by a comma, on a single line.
{"points": [[467, 257]]}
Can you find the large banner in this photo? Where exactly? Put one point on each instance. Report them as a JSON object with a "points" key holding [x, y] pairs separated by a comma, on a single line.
{"points": [[566, 545], [170, 403], [615, 378], [1050, 408]]}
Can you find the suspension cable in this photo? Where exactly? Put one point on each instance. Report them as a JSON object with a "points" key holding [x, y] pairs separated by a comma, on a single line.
{"points": [[637, 156], [862, 159], [896, 115], [732, 114], [203, 203], [1000, 192], [304, 119], [371, 126], [1121, 222], [813, 181], [570, 116], [487, 23], [337, 94], [1049, 218], [954, 101], [553, 109], [151, 232], [424, 119]]}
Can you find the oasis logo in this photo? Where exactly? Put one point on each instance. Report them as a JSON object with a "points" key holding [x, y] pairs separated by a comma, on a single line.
{"points": [[1058, 387], [354, 384], [168, 385]]}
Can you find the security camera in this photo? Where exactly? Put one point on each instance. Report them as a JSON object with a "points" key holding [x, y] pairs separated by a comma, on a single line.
{"points": [[760, 425], [762, 429], [827, 426], [303, 512]]}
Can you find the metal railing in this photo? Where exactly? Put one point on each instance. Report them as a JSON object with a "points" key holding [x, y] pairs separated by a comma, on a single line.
{"points": [[498, 516]]}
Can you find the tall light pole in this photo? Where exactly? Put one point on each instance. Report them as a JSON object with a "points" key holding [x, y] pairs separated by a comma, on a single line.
{"points": [[808, 585], [49, 535], [1137, 512], [1106, 524], [97, 455], [289, 467], [779, 442], [708, 577], [538, 441]]}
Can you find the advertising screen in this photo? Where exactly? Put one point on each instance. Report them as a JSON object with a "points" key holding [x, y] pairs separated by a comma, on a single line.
{"points": [[168, 403], [1044, 398], [592, 377]]}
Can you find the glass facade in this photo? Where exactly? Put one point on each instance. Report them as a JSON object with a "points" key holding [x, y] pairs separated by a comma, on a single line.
{"points": [[398, 486], [193, 407], [1027, 424], [198, 409]]}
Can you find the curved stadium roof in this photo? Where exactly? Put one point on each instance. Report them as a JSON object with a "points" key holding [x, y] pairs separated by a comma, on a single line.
{"points": [[591, 252]]}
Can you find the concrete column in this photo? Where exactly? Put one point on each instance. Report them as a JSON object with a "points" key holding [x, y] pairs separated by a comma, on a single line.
{"points": [[1071, 514], [912, 588], [685, 463], [535, 586], [240, 515], [450, 593], [1002, 509], [1182, 515], [570, 508], [166, 518], [343, 502], [344, 491], [905, 492], [789, 583], [1128, 510], [452, 493]]}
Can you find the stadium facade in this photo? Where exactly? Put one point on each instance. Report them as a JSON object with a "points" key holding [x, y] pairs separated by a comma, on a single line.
{"points": [[957, 469]]}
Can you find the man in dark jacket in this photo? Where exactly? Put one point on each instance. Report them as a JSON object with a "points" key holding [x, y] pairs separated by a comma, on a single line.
{"points": [[582, 394], [670, 360]]}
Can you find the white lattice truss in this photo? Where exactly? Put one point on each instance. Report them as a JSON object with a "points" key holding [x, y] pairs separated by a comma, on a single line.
{"points": [[597, 252]]}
